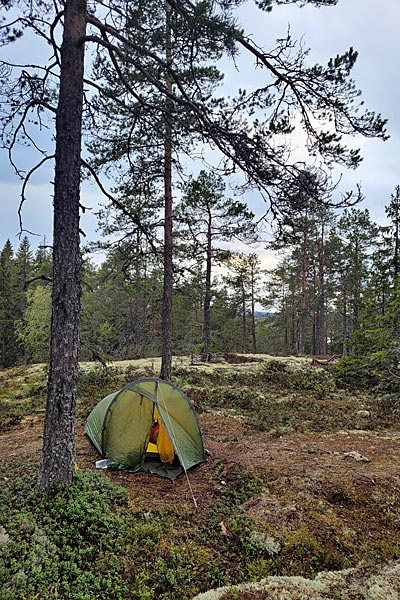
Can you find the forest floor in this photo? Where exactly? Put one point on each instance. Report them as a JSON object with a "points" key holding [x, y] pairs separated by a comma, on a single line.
{"points": [[301, 476]]}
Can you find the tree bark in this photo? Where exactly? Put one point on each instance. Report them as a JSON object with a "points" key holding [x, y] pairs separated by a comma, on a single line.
{"points": [[207, 296], [303, 297], [321, 320], [345, 333], [166, 352], [244, 320], [357, 288], [396, 263], [58, 455], [253, 312]]}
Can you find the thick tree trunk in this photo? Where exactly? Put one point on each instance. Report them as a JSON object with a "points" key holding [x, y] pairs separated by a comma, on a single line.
{"points": [[58, 457], [207, 298], [166, 352]]}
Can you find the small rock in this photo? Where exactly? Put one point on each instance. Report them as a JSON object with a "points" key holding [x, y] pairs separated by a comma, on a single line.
{"points": [[353, 454], [4, 537], [363, 413], [273, 433]]}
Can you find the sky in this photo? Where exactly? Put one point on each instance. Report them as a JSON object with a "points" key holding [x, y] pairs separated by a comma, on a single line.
{"points": [[370, 28]]}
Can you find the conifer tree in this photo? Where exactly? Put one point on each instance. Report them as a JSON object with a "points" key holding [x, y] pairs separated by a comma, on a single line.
{"points": [[147, 149], [393, 213], [358, 235], [33, 328], [8, 305], [208, 218], [24, 267], [58, 455]]}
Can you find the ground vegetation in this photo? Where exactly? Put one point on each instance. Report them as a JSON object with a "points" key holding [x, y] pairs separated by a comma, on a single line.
{"points": [[301, 478]]}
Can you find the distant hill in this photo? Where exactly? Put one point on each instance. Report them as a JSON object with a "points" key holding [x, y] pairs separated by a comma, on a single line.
{"points": [[261, 315]]}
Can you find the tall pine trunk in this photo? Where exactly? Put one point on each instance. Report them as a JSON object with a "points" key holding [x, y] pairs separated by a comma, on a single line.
{"points": [[303, 296], [396, 271], [207, 297], [166, 352], [253, 311], [345, 332], [244, 320], [58, 456], [320, 333]]}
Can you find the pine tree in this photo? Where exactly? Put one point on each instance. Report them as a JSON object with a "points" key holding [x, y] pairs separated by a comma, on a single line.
{"points": [[8, 306], [147, 150], [208, 217], [393, 212], [358, 235], [281, 293], [58, 455]]}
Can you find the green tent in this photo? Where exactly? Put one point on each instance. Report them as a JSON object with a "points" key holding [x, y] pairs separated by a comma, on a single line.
{"points": [[121, 424]]}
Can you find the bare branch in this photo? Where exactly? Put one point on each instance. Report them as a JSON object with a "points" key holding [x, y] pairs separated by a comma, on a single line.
{"points": [[37, 278], [25, 183], [132, 216]]}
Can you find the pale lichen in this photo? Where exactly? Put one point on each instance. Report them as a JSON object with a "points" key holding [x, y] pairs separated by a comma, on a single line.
{"points": [[329, 585]]}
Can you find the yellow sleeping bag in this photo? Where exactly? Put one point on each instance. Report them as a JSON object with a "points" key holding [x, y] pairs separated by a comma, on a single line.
{"points": [[164, 445]]}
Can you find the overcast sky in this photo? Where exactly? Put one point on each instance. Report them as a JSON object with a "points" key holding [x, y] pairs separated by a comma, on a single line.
{"points": [[370, 28]]}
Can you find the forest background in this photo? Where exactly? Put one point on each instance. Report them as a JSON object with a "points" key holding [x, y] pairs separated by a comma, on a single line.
{"points": [[334, 292], [337, 276]]}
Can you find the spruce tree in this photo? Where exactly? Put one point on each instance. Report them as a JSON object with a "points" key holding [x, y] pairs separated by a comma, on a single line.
{"points": [[24, 267], [8, 306]]}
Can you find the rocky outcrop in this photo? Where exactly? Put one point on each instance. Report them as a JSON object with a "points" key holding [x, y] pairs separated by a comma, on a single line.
{"points": [[382, 584]]}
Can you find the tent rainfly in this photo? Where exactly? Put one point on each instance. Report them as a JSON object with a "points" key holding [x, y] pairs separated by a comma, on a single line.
{"points": [[148, 425]]}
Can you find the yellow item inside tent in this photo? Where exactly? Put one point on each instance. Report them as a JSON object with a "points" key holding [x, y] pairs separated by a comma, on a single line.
{"points": [[152, 448], [164, 445]]}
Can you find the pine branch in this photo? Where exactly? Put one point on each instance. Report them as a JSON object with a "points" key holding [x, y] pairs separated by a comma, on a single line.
{"points": [[121, 206]]}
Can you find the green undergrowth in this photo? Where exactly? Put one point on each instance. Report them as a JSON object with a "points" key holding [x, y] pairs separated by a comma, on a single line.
{"points": [[286, 399], [92, 542], [66, 544], [22, 392], [274, 395], [88, 542]]}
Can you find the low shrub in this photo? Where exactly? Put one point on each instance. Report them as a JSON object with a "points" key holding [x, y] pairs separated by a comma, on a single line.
{"points": [[65, 543]]}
